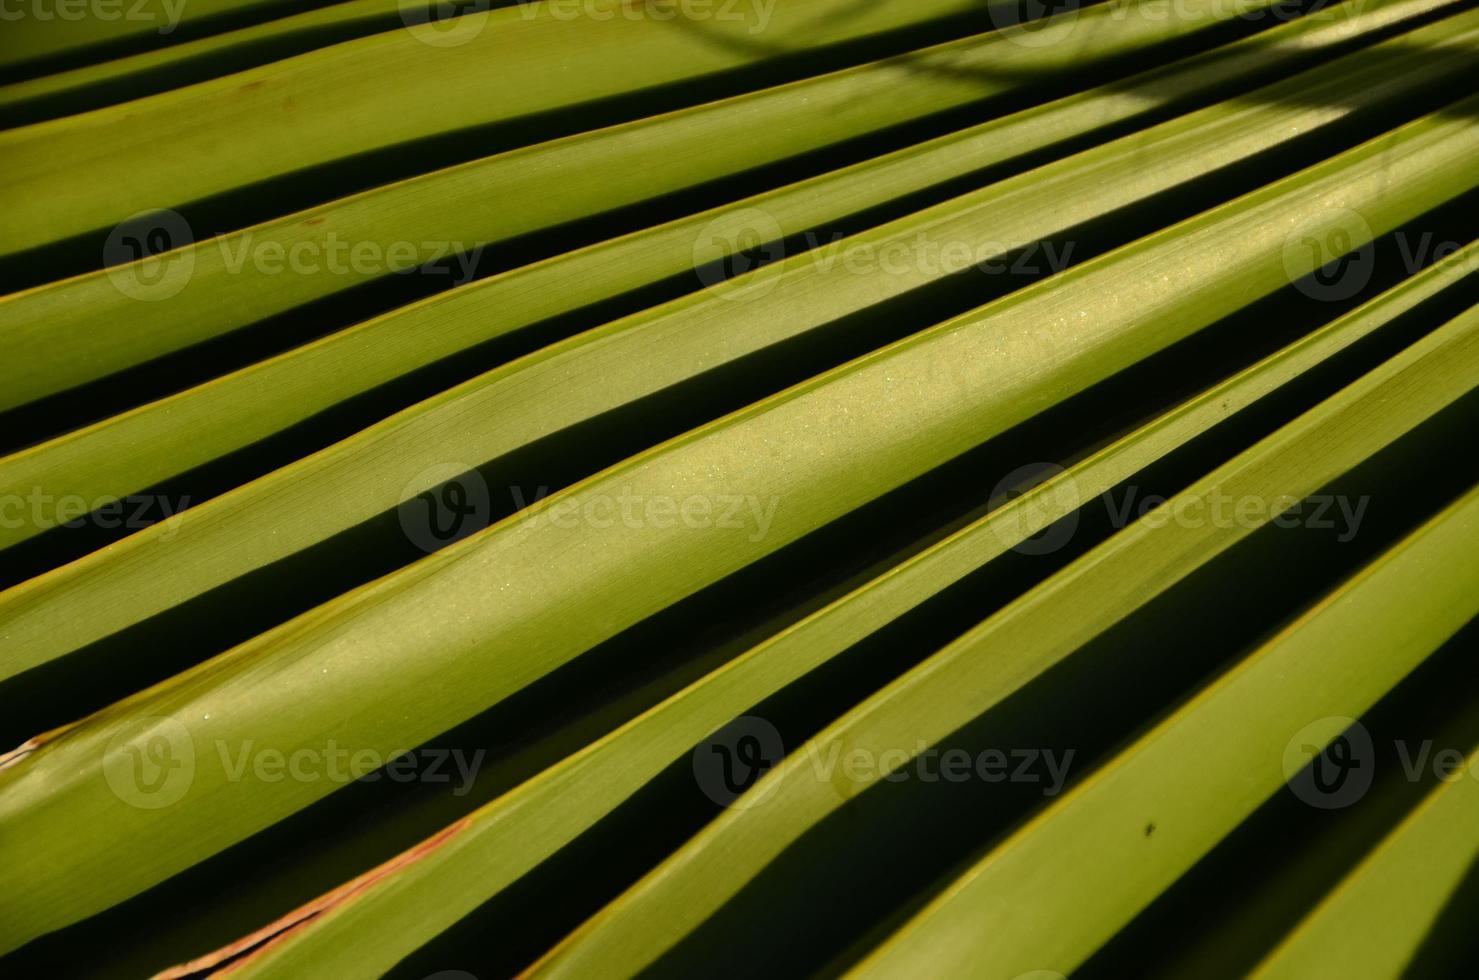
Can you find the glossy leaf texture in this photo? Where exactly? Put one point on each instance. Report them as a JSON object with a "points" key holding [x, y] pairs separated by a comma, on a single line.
{"points": [[599, 488]]}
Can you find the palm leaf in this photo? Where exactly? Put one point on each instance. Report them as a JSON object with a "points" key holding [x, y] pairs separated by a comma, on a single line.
{"points": [[297, 114], [709, 326], [375, 920], [205, 290]]}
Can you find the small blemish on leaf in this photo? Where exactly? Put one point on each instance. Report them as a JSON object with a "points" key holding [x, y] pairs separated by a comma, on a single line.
{"points": [[1149, 829]]}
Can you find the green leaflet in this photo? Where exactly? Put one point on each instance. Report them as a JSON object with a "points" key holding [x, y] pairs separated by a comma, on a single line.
{"points": [[1374, 921], [1001, 655], [1301, 869], [33, 36], [554, 388], [401, 659], [1064, 883], [145, 446], [91, 86], [324, 106], [168, 302], [374, 921], [305, 728]]}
